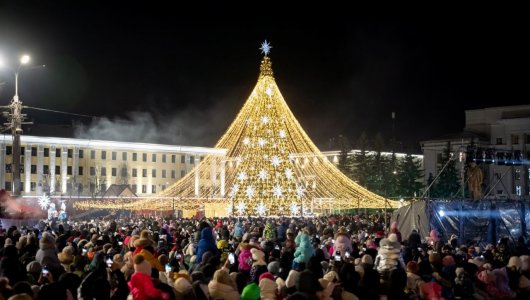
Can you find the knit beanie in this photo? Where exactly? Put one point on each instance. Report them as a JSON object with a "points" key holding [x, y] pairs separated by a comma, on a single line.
{"points": [[141, 265], [274, 267], [266, 275], [251, 292], [367, 259]]}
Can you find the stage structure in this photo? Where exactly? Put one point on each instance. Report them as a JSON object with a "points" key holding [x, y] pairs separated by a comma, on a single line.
{"points": [[271, 167], [484, 221]]}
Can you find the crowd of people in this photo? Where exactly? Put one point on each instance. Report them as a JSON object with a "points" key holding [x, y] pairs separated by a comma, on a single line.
{"points": [[332, 257]]}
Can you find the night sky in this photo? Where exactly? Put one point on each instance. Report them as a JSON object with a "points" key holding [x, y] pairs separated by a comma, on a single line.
{"points": [[176, 77]]}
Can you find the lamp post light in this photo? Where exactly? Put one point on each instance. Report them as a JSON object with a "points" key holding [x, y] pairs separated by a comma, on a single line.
{"points": [[15, 122]]}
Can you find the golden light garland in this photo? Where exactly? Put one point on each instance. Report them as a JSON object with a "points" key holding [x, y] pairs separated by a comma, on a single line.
{"points": [[271, 168]]}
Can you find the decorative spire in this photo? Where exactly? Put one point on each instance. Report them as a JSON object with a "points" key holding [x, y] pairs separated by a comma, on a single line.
{"points": [[266, 64], [266, 68]]}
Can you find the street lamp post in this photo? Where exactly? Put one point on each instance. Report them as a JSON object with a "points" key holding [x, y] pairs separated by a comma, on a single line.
{"points": [[15, 122]]}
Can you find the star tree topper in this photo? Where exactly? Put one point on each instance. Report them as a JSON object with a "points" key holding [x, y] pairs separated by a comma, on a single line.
{"points": [[265, 48]]}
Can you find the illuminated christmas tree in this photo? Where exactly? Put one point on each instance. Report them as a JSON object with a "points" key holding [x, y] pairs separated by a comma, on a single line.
{"points": [[271, 166]]}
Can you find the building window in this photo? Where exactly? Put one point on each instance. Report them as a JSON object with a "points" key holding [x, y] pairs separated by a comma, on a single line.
{"points": [[33, 186], [144, 189], [515, 139], [144, 172], [57, 170], [153, 173], [182, 173], [144, 156], [153, 189], [70, 153], [517, 175], [8, 168], [22, 151], [8, 185], [124, 156], [69, 170], [33, 151], [33, 169], [113, 155], [57, 152], [173, 174], [163, 173], [163, 187], [103, 187], [92, 187], [81, 153], [113, 171], [134, 172], [9, 151], [518, 190], [135, 157], [103, 154], [499, 141], [153, 157], [192, 159], [46, 152], [183, 159], [92, 154], [134, 188], [80, 171], [173, 158], [92, 171], [163, 158], [45, 169], [103, 171]]}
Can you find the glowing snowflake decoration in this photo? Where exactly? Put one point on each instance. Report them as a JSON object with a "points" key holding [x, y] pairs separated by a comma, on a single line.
{"points": [[294, 209], [282, 134], [246, 140], [291, 157], [263, 174], [276, 161], [44, 202], [234, 190], [265, 48], [268, 91], [289, 173], [277, 191], [242, 176], [265, 120], [300, 191], [262, 142], [261, 209], [250, 192], [240, 207]]}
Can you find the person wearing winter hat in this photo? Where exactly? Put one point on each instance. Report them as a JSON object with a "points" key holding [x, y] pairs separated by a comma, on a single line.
{"points": [[342, 242], [268, 287], [141, 285], [304, 251], [414, 281], [290, 282], [143, 241], [47, 253], [222, 286], [259, 266], [251, 292], [66, 257], [394, 229]]}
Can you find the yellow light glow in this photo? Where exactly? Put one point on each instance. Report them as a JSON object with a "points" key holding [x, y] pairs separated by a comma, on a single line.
{"points": [[24, 59]]}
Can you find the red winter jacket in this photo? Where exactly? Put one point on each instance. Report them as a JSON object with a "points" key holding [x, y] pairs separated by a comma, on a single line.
{"points": [[142, 288]]}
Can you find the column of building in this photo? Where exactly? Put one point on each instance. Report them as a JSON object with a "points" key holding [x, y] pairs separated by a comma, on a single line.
{"points": [[40, 167], [27, 169], [52, 168]]}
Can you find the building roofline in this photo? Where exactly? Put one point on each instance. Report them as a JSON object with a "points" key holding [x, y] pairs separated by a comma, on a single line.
{"points": [[28, 139]]}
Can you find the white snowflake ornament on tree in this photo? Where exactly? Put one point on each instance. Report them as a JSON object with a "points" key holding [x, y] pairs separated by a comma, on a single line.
{"points": [[289, 173], [277, 191], [282, 134], [44, 201], [242, 176], [234, 190], [250, 191], [276, 161], [300, 191], [263, 174], [246, 140], [240, 207], [261, 209], [294, 209]]}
